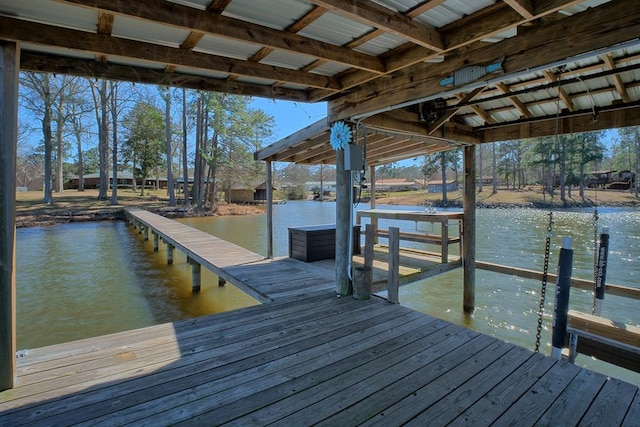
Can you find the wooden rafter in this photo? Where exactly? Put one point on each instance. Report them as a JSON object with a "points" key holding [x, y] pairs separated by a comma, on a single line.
{"points": [[218, 6], [484, 115], [39, 33], [523, 7], [618, 23], [186, 17], [562, 93], [452, 112], [383, 18], [617, 80], [524, 111]]}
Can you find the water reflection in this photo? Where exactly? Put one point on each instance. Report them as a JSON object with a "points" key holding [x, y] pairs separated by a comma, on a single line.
{"points": [[88, 279]]}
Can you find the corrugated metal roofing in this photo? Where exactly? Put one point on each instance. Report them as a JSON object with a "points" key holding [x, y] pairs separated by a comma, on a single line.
{"points": [[386, 57]]}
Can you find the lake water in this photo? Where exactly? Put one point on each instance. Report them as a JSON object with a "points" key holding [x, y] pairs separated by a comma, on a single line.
{"points": [[88, 279]]}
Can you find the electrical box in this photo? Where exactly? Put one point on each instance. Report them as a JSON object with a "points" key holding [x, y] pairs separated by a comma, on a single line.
{"points": [[353, 158]]}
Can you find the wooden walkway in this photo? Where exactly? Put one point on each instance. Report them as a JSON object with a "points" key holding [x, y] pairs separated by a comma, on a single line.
{"points": [[264, 279], [308, 357], [325, 360]]}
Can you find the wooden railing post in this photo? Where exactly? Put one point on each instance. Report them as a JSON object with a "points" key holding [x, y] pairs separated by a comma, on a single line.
{"points": [[394, 265]]}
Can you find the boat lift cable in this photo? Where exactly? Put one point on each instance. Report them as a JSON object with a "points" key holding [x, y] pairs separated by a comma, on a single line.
{"points": [[545, 276]]}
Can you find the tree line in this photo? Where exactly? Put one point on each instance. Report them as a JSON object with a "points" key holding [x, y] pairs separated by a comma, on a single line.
{"points": [[85, 125]]}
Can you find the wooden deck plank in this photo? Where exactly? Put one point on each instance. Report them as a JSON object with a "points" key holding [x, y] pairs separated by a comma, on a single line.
{"points": [[295, 394], [633, 414], [415, 366], [527, 410], [611, 404], [236, 399], [492, 405], [566, 410]]}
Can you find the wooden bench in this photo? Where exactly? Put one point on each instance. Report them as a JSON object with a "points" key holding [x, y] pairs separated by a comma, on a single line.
{"points": [[420, 238], [604, 339]]}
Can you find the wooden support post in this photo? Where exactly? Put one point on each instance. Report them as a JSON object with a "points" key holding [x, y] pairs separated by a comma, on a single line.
{"points": [[196, 276], [9, 68], [363, 276], [170, 253], [343, 226], [393, 282], [221, 281], [155, 241], [444, 232], [469, 230], [372, 203], [145, 233], [269, 211]]}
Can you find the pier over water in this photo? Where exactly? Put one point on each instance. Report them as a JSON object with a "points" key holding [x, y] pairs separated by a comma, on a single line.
{"points": [[303, 357]]}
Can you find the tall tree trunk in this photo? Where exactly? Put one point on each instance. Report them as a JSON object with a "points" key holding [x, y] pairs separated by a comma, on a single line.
{"points": [[495, 170], [443, 166], [185, 164], [197, 173], [48, 143], [167, 119], [103, 144], [59, 144], [213, 187], [114, 140]]}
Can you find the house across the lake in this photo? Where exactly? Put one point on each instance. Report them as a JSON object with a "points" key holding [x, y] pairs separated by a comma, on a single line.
{"points": [[125, 179], [436, 186]]}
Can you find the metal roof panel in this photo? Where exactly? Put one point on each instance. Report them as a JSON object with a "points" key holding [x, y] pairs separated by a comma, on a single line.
{"points": [[145, 31], [225, 47], [54, 13], [335, 29]]}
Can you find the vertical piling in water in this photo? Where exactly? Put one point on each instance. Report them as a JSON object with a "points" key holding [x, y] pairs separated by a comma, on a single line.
{"points": [[561, 303], [196, 276], [170, 253], [145, 232], [155, 241], [603, 255]]}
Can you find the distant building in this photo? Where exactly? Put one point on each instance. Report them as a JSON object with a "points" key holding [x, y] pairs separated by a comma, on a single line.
{"points": [[124, 179], [396, 184], [249, 193], [436, 186]]}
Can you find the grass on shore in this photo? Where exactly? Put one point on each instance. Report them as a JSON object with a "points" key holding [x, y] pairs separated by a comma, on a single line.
{"points": [[530, 196], [85, 204]]}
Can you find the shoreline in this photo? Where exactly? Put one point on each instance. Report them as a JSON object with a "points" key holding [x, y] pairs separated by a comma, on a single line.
{"points": [[40, 219]]}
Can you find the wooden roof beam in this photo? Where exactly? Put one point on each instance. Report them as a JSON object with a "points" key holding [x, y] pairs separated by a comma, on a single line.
{"points": [[604, 26], [178, 15], [14, 29], [523, 7], [524, 111], [39, 62], [473, 28], [218, 6], [564, 96], [484, 115], [452, 112], [382, 18], [617, 80]]}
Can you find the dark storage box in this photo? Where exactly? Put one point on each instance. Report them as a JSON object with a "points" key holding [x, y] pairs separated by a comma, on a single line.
{"points": [[316, 242]]}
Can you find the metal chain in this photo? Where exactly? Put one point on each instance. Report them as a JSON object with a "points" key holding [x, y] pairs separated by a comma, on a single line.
{"points": [[543, 288], [595, 257]]}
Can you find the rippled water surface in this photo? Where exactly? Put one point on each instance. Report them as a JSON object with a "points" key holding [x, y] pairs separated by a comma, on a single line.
{"points": [[88, 279]]}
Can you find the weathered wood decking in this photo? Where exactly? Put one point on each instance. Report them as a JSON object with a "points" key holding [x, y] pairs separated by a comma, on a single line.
{"points": [[326, 360], [307, 358], [264, 279]]}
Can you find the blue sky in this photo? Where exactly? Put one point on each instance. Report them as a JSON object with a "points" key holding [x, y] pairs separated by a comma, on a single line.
{"points": [[290, 116]]}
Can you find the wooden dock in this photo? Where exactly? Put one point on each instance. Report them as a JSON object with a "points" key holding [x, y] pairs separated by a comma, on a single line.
{"points": [[264, 279], [306, 357], [324, 360]]}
